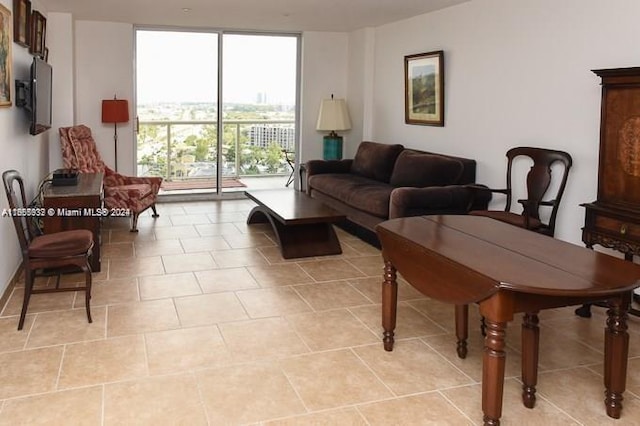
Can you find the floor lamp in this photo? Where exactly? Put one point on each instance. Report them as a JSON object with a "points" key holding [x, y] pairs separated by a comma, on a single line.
{"points": [[115, 111]]}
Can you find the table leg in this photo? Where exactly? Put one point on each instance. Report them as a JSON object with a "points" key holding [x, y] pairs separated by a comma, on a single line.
{"points": [[389, 304], [616, 350], [493, 364], [462, 329], [530, 348]]}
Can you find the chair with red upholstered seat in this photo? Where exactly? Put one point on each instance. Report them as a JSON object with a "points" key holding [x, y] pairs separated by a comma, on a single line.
{"points": [[538, 183], [137, 194], [66, 251]]}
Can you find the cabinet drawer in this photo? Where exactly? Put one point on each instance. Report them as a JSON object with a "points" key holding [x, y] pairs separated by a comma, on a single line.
{"points": [[618, 227]]}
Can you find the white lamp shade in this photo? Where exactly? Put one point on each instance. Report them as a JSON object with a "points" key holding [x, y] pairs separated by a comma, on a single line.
{"points": [[333, 115]]}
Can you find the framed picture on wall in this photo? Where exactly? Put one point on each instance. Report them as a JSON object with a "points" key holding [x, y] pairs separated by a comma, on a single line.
{"points": [[5, 56], [21, 21], [38, 31], [424, 88]]}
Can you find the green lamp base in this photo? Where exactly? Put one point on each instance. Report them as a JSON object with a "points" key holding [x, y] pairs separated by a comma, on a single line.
{"points": [[332, 147]]}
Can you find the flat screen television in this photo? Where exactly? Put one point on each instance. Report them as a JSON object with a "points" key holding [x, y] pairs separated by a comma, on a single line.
{"points": [[35, 96]]}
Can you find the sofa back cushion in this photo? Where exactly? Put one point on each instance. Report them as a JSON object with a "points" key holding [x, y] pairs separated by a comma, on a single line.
{"points": [[375, 160], [422, 170]]}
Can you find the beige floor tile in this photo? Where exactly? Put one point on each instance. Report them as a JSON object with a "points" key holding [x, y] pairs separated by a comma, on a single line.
{"points": [[43, 302], [216, 229], [331, 270], [141, 317], [185, 349], [332, 330], [238, 257], [411, 367], [269, 302], [136, 267], [245, 228], [333, 379], [158, 248], [175, 232], [409, 322], [587, 405], [371, 266], [443, 314], [29, 372], [261, 339], [111, 292], [362, 247], [229, 279], [68, 280], [247, 393], [250, 240], [279, 275], [12, 339], [103, 361], [146, 222], [188, 262], [207, 309], [55, 328], [189, 219], [274, 255], [228, 217], [170, 285], [169, 400], [344, 416], [194, 245], [331, 295], [116, 250], [372, 288], [425, 409], [126, 236], [71, 407], [469, 400]]}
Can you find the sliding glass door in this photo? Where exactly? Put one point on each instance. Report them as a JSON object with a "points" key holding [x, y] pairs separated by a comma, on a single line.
{"points": [[200, 142]]}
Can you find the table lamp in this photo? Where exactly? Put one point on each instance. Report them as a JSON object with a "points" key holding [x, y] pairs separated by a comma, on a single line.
{"points": [[333, 116], [115, 111]]}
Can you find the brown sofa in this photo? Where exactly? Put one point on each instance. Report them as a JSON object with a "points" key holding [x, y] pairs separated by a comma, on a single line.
{"points": [[388, 181]]}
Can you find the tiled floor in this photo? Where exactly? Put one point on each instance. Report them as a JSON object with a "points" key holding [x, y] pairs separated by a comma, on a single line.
{"points": [[198, 320]]}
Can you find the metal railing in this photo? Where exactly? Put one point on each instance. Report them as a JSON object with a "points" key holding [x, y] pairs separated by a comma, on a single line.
{"points": [[187, 149]]}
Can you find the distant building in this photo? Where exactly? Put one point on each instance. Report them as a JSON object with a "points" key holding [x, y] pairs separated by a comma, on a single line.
{"points": [[264, 135]]}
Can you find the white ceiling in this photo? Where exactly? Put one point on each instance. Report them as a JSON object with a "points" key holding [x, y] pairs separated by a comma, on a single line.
{"points": [[268, 15]]}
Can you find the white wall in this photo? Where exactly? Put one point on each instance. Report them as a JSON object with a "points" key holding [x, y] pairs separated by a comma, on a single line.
{"points": [[104, 68], [21, 151], [324, 72], [517, 72]]}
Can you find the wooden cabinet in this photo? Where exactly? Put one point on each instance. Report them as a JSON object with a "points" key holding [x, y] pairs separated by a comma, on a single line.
{"points": [[77, 207], [613, 220]]}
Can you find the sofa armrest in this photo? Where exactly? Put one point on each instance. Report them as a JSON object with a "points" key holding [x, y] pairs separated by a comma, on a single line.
{"points": [[451, 199], [316, 167]]}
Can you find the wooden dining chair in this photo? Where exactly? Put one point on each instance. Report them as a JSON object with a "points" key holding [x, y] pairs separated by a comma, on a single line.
{"points": [[538, 182], [48, 254]]}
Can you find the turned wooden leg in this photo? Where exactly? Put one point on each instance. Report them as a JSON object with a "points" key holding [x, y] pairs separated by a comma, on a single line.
{"points": [[530, 348], [389, 304], [462, 329], [493, 363], [616, 350]]}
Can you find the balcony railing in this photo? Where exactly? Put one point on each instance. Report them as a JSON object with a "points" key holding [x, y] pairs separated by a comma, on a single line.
{"points": [[180, 150]]}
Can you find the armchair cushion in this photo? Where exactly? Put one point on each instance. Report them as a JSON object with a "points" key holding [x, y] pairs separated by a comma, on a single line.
{"points": [[421, 170], [407, 201], [375, 160]]}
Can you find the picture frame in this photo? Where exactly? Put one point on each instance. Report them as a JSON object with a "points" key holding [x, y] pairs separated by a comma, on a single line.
{"points": [[21, 21], [424, 88], [38, 33], [5, 56]]}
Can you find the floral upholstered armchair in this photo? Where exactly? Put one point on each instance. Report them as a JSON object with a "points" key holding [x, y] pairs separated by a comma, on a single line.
{"points": [[126, 192]]}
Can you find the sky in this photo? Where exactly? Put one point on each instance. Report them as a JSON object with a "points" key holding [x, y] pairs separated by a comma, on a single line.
{"points": [[176, 66]]}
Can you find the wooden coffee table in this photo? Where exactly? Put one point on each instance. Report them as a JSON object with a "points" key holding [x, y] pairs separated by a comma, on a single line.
{"points": [[303, 226], [506, 270]]}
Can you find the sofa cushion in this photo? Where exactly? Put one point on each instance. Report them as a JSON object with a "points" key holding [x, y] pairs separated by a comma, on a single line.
{"points": [[356, 191], [422, 170], [375, 160]]}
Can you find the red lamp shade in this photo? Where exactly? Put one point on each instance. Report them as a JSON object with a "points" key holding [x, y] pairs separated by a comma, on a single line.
{"points": [[115, 111]]}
